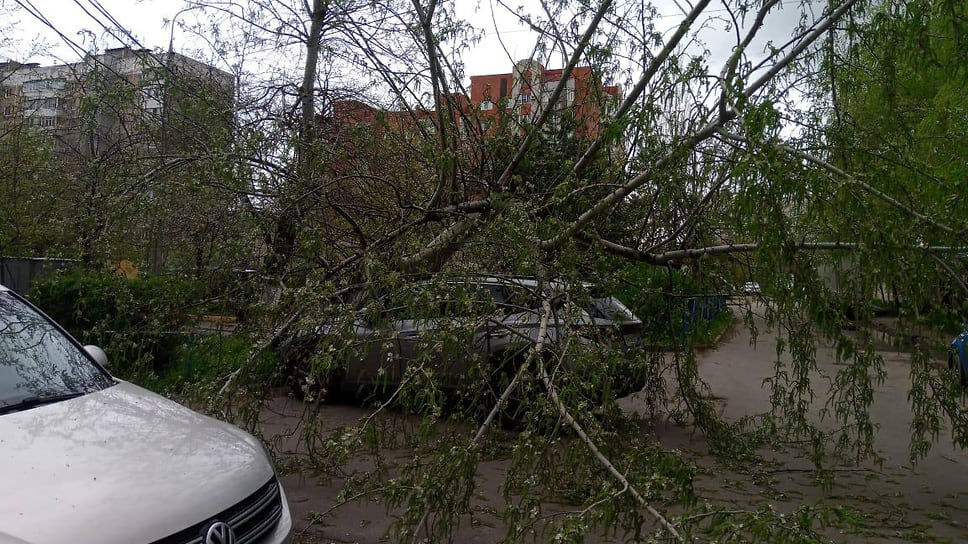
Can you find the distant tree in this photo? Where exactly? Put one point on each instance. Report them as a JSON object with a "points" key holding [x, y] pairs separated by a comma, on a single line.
{"points": [[139, 165], [32, 210], [896, 122]]}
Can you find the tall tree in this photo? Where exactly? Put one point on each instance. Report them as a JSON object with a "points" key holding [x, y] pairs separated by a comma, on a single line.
{"points": [[894, 133], [714, 172]]}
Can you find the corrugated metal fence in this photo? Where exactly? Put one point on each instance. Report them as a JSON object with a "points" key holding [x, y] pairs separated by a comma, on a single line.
{"points": [[18, 273]]}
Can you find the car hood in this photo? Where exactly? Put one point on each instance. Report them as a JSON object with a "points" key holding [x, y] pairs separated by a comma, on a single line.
{"points": [[122, 465]]}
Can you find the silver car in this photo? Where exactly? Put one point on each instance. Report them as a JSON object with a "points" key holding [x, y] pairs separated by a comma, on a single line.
{"points": [[453, 324], [85, 457]]}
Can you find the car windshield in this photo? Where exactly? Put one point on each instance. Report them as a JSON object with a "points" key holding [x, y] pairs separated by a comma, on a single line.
{"points": [[429, 301], [37, 360]]}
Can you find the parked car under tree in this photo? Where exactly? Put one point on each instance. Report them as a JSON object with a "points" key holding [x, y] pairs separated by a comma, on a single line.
{"points": [[958, 358], [463, 332]]}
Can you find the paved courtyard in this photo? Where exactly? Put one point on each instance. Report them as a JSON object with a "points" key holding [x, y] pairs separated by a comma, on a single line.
{"points": [[892, 501]]}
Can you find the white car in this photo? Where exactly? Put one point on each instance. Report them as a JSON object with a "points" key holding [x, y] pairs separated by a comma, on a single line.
{"points": [[87, 458]]}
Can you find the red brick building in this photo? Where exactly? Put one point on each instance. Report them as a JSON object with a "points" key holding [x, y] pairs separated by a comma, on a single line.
{"points": [[370, 142], [362, 132], [526, 91]]}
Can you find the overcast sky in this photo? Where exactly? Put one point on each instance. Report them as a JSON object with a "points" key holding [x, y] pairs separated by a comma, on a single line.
{"points": [[146, 21]]}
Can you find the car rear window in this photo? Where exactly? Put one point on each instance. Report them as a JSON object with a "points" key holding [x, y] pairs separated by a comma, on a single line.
{"points": [[430, 301]]}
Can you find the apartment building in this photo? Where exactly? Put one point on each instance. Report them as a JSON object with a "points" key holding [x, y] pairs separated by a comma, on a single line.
{"points": [[361, 136], [526, 92], [123, 93]]}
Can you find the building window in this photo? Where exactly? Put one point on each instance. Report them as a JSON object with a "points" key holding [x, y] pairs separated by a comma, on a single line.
{"points": [[8, 111], [504, 87], [7, 92], [524, 98], [42, 103], [153, 92], [46, 122], [38, 85], [487, 105]]}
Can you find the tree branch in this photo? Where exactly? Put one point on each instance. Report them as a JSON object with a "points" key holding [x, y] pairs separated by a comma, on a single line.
{"points": [[840, 173], [555, 95], [600, 457], [440, 246], [535, 353], [446, 175], [730, 69], [669, 257], [690, 142], [647, 76]]}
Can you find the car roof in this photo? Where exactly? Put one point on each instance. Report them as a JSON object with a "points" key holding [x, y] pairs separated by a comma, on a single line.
{"points": [[523, 281], [2, 288]]}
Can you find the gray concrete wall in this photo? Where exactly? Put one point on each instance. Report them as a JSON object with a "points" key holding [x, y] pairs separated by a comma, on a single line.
{"points": [[18, 273]]}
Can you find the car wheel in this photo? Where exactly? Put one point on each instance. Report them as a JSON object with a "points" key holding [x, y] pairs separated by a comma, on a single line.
{"points": [[956, 365], [308, 386], [495, 373]]}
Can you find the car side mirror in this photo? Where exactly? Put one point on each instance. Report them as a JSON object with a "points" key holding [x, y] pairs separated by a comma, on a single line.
{"points": [[97, 354]]}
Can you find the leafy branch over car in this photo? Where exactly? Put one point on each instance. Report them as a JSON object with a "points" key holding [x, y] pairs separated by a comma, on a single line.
{"points": [[462, 330]]}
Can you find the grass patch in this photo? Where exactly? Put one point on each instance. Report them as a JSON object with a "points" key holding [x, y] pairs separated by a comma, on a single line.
{"points": [[708, 332]]}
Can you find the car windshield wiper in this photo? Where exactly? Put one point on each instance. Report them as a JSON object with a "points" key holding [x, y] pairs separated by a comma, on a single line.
{"points": [[39, 400]]}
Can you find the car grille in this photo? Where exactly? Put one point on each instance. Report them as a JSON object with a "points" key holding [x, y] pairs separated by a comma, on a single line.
{"points": [[251, 519]]}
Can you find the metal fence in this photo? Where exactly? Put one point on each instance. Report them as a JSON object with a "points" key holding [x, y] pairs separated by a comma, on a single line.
{"points": [[700, 308], [18, 273]]}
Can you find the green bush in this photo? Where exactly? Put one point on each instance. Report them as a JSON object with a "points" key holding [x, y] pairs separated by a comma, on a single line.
{"points": [[201, 359], [660, 296], [137, 321]]}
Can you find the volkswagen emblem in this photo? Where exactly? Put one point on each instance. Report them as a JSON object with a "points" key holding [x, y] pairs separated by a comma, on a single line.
{"points": [[219, 533]]}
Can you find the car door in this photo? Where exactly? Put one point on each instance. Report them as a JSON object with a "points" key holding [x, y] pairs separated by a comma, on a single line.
{"points": [[409, 335], [395, 333], [446, 330], [377, 362]]}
